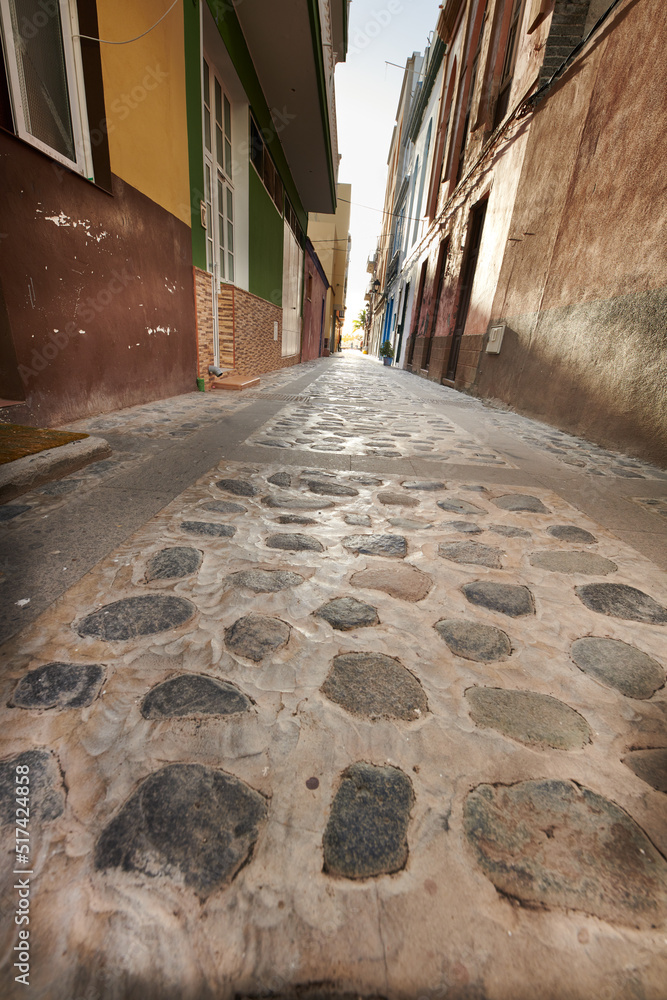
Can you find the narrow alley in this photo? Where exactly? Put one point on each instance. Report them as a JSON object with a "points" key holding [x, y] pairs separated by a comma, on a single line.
{"points": [[357, 691]]}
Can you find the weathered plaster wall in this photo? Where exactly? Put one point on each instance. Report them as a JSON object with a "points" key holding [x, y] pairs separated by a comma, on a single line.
{"points": [[145, 98], [495, 178], [98, 291], [583, 292]]}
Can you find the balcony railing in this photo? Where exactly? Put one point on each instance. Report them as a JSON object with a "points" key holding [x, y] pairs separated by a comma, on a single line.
{"points": [[393, 268]]}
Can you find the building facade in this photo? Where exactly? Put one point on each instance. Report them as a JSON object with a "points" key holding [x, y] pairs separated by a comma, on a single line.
{"points": [[315, 294], [330, 237], [157, 193], [526, 282]]}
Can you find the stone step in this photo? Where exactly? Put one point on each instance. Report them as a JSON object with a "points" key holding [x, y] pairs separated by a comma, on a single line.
{"points": [[236, 382]]}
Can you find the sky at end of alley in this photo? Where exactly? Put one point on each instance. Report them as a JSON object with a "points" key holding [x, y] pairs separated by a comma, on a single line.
{"points": [[367, 93]]}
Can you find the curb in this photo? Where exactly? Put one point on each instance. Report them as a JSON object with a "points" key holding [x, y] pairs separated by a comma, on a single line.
{"points": [[26, 473]]}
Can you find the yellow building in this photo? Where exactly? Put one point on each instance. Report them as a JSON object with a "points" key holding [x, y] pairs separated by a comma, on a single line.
{"points": [[330, 236]]}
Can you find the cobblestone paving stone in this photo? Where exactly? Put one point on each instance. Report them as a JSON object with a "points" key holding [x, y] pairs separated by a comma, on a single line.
{"points": [[618, 665], [47, 789], [168, 564], [59, 685], [536, 719], [352, 827], [154, 831], [366, 835], [193, 694], [650, 766], [615, 873]]}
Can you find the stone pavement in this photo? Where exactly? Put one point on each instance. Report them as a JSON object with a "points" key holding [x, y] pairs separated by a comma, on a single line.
{"points": [[354, 721]]}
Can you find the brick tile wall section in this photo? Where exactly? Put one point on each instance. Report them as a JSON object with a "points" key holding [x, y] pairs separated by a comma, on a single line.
{"points": [[204, 312], [226, 312], [246, 331], [255, 349]]}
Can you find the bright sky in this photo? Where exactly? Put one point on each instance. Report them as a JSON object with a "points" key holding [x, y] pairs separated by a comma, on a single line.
{"points": [[367, 93]]}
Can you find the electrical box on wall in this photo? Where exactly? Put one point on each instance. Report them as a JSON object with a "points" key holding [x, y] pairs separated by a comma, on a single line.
{"points": [[496, 334]]}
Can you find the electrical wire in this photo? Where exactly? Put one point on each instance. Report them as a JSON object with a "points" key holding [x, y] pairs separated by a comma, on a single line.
{"points": [[105, 41], [370, 208]]}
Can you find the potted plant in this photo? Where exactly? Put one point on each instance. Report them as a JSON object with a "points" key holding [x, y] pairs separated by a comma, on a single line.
{"points": [[387, 352]]}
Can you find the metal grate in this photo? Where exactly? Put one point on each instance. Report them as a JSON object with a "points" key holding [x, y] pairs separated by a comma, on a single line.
{"points": [[280, 397]]}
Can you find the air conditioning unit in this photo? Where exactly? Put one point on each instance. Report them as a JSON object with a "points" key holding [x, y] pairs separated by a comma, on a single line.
{"points": [[495, 341]]}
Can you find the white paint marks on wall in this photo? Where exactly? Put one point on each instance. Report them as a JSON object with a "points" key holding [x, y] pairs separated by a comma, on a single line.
{"points": [[65, 220]]}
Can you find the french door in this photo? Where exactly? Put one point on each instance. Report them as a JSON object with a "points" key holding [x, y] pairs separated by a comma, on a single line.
{"points": [[218, 188]]}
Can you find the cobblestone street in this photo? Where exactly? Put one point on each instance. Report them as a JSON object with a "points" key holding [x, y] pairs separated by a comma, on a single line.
{"points": [[373, 707]]}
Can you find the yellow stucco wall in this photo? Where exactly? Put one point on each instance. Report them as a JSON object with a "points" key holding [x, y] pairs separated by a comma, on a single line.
{"points": [[328, 234], [144, 94]]}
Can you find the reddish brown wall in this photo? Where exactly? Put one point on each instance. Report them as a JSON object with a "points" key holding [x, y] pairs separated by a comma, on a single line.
{"points": [[312, 309], [98, 291], [584, 294]]}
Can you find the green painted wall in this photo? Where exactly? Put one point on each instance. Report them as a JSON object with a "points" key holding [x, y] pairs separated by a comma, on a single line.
{"points": [[316, 33], [225, 17], [195, 141], [266, 243]]}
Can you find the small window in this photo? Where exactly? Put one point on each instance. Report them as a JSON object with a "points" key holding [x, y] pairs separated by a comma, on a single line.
{"points": [[256, 148], [207, 108], [42, 65], [228, 138], [293, 222], [507, 74], [263, 163]]}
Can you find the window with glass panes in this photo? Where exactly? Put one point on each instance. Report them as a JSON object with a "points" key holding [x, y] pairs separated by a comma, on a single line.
{"points": [[218, 176], [507, 74], [41, 79]]}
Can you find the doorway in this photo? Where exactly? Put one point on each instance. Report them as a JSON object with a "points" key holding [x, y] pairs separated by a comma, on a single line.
{"points": [[401, 325], [417, 314], [440, 277], [476, 226]]}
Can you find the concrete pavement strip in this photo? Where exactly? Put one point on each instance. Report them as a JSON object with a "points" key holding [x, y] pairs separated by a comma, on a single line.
{"points": [[25, 474]]}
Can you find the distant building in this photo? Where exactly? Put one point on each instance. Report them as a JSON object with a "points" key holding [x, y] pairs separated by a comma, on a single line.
{"points": [[387, 296], [330, 236], [535, 271], [156, 193]]}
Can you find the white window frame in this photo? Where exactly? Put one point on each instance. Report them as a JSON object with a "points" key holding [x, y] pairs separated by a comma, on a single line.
{"points": [[292, 293], [219, 175], [83, 164]]}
